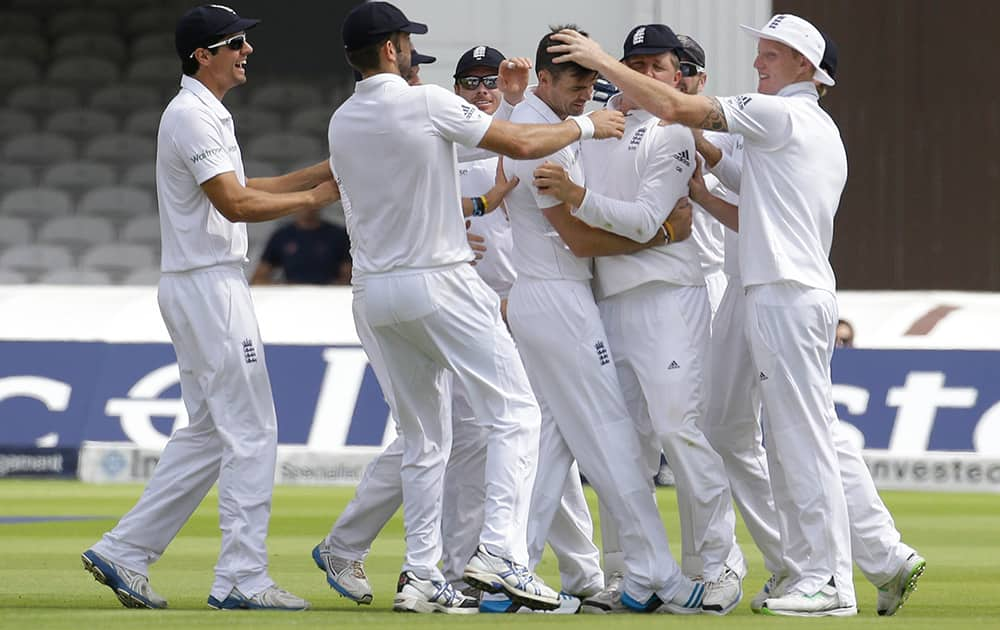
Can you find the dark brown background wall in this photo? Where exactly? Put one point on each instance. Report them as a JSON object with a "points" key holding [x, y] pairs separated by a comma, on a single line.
{"points": [[918, 104]]}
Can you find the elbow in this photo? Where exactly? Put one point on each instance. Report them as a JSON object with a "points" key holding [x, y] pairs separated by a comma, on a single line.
{"points": [[582, 250], [524, 149], [232, 212]]}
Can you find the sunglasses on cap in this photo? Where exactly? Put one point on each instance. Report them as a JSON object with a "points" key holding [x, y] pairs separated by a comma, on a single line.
{"points": [[471, 83], [689, 69], [234, 43]]}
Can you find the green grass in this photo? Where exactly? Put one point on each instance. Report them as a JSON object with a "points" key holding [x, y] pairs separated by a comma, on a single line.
{"points": [[42, 584]]}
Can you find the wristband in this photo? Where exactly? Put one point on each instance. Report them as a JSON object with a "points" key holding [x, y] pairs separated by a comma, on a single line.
{"points": [[586, 126], [486, 203], [478, 207], [668, 232]]}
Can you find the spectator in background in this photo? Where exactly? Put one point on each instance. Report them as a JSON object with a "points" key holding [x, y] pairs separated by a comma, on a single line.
{"points": [[309, 250], [845, 334]]}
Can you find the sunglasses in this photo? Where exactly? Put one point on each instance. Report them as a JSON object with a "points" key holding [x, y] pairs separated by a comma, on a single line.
{"points": [[689, 69], [234, 43], [471, 83]]}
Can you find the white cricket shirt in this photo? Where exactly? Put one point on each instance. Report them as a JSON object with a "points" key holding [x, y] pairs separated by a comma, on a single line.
{"points": [[496, 267], [794, 171], [392, 151], [725, 183], [196, 141], [539, 251], [632, 186]]}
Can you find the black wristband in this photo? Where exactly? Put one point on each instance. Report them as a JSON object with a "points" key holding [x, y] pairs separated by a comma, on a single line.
{"points": [[478, 209]]}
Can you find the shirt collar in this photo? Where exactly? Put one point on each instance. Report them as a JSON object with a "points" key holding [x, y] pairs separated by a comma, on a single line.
{"points": [[205, 96], [378, 80], [802, 88], [537, 104]]}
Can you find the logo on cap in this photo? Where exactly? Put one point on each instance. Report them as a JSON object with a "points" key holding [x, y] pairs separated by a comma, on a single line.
{"points": [[639, 36], [479, 52], [223, 7], [776, 22]]}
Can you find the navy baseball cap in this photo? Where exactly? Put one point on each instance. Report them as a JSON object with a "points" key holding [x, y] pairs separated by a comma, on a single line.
{"points": [[205, 25], [650, 39], [416, 59], [829, 61], [480, 56], [691, 51], [369, 22]]}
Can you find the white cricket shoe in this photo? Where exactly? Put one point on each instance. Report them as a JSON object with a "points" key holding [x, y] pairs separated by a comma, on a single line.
{"points": [[347, 577], [132, 589], [893, 594], [607, 601], [774, 587], [414, 594], [271, 598], [492, 574], [823, 603], [724, 594]]}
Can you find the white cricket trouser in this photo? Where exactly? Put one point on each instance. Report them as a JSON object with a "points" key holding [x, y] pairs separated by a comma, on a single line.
{"points": [[732, 427], [426, 322], [566, 353], [231, 436], [790, 328], [659, 334], [715, 282]]}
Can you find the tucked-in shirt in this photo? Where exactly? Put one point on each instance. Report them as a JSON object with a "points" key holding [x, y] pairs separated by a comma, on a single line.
{"points": [[392, 152], [794, 171], [195, 142], [632, 187], [539, 251]]}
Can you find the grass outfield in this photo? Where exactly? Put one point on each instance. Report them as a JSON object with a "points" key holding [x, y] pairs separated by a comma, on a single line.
{"points": [[42, 584]]}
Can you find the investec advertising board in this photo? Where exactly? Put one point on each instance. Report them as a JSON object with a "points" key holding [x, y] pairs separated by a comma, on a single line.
{"points": [[92, 369]]}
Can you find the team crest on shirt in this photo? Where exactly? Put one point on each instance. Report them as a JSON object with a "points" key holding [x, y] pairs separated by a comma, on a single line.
{"points": [[684, 157], [636, 139], [249, 352], [602, 353], [468, 111]]}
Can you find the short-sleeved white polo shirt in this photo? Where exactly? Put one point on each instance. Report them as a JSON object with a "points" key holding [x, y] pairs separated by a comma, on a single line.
{"points": [[539, 251], [794, 171], [196, 141], [392, 151]]}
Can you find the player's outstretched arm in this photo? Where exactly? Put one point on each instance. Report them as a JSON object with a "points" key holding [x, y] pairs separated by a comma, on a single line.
{"points": [[530, 142], [241, 204], [660, 99], [585, 241], [302, 179]]}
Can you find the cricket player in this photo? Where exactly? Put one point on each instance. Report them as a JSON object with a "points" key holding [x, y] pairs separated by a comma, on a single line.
{"points": [[204, 199], [655, 309], [553, 315], [876, 546], [427, 309], [795, 169]]}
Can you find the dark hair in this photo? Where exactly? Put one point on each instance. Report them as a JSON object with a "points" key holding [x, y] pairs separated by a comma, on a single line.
{"points": [[190, 65], [543, 58], [367, 58]]}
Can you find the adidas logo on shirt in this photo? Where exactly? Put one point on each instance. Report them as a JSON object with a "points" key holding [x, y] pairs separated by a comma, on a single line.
{"points": [[673, 366], [684, 157], [763, 377], [468, 111], [743, 101]]}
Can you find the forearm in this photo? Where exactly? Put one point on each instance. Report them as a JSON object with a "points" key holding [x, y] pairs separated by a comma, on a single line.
{"points": [[635, 220], [586, 241], [529, 142], [302, 179], [726, 213], [709, 151]]}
